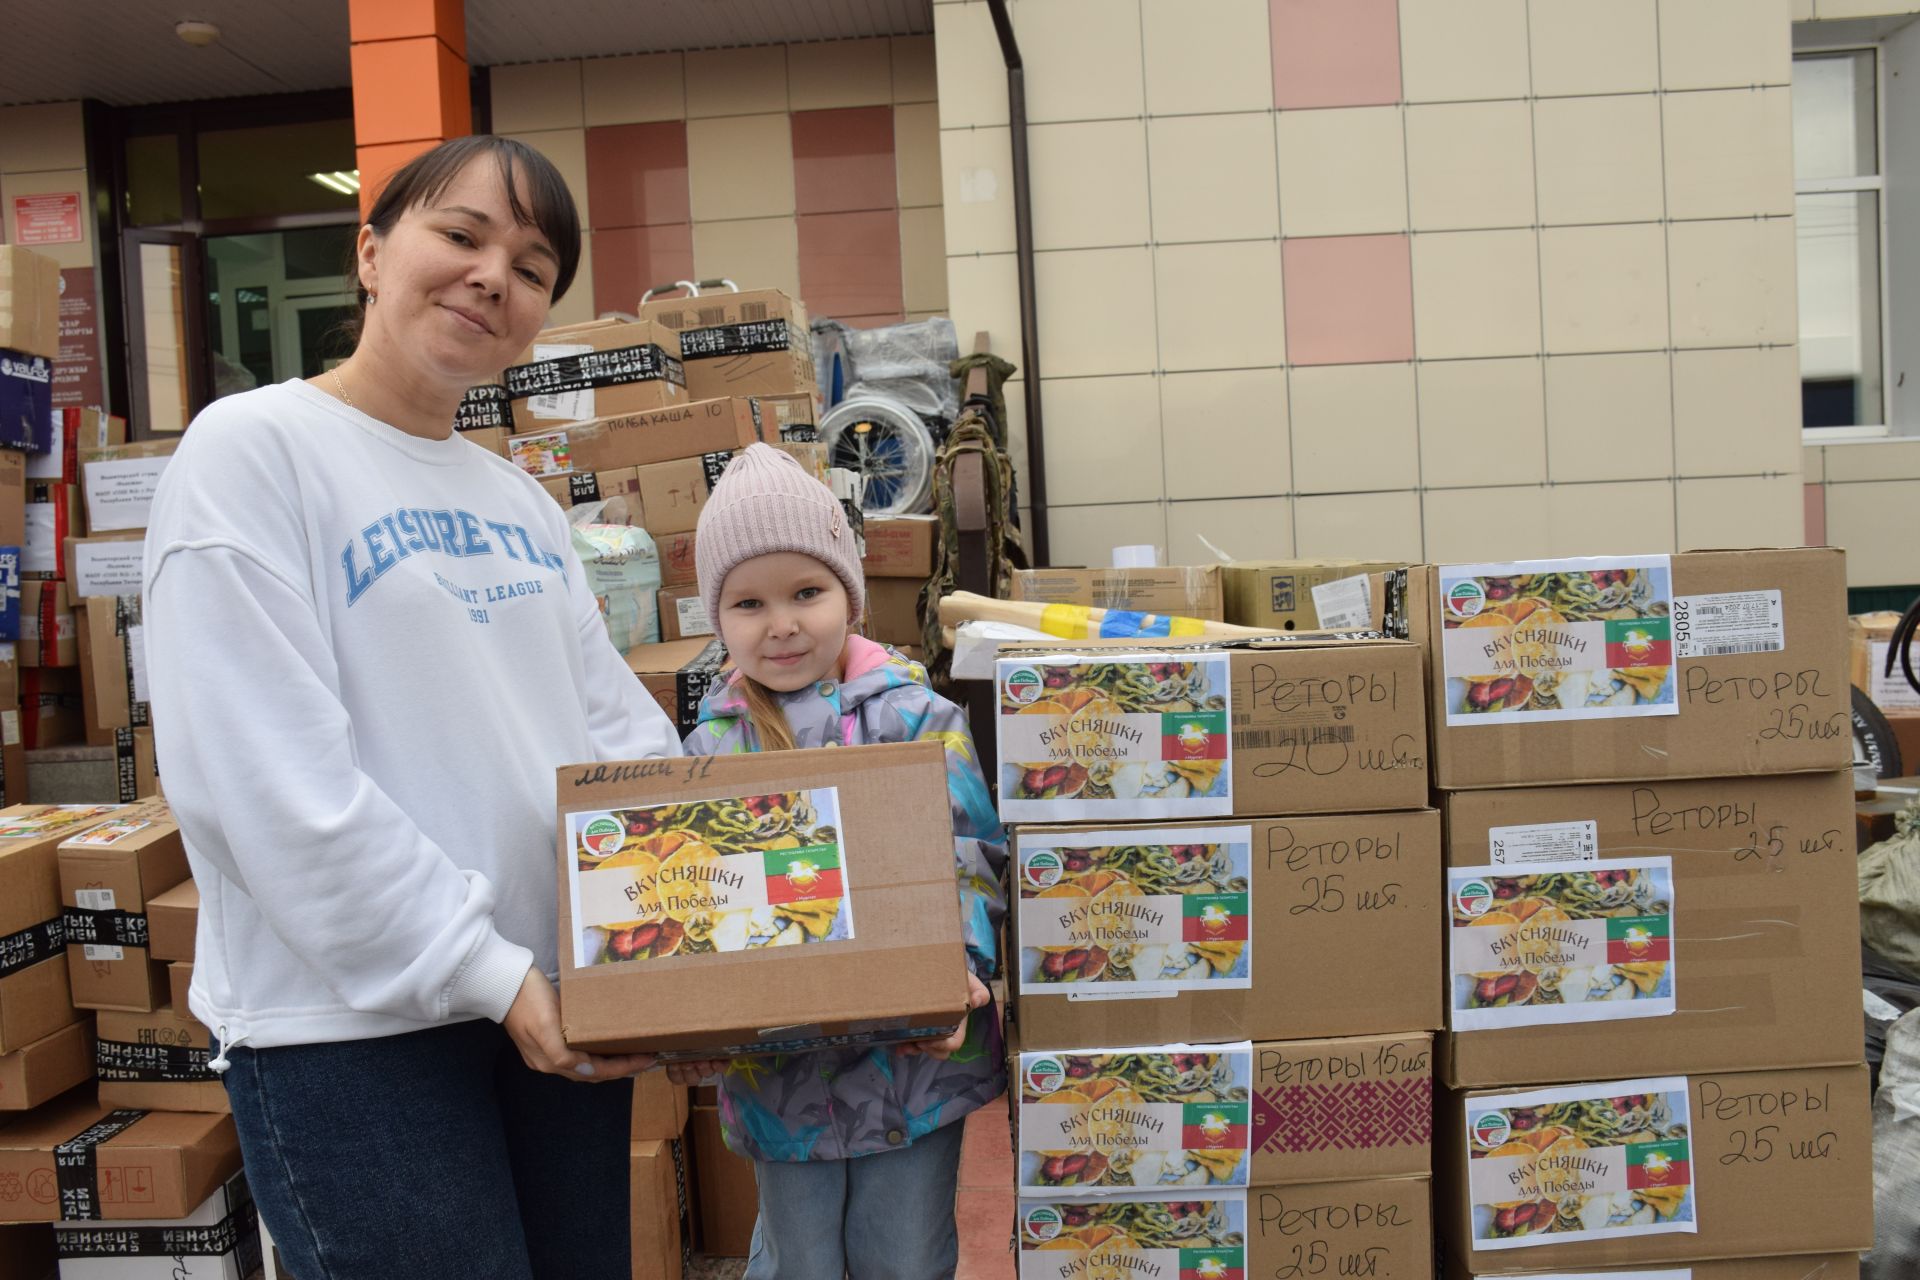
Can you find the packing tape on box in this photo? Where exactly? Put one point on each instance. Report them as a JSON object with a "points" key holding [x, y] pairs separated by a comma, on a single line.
{"points": [[1737, 934], [126, 765], [76, 1169], [682, 1202], [592, 370], [210, 1241], [132, 636], [751, 338], [125, 1060], [105, 928], [31, 945], [484, 408]]}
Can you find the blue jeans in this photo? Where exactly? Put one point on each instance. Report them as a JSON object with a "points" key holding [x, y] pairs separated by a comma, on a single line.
{"points": [[880, 1217], [435, 1153]]}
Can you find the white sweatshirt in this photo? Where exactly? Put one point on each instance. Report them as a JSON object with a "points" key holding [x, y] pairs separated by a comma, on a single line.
{"points": [[368, 653]]}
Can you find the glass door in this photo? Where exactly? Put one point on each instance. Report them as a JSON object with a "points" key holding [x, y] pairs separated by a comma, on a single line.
{"points": [[163, 291]]}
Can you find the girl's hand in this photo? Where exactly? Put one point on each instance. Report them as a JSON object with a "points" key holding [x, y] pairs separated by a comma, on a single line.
{"points": [[534, 1023], [696, 1071], [977, 996]]}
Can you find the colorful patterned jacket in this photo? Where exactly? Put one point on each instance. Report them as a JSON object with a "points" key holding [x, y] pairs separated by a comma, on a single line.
{"points": [[835, 1104]]}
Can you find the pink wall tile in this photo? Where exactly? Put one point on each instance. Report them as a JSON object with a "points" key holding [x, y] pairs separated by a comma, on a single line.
{"points": [[1349, 299], [850, 263], [628, 260], [1816, 500], [843, 160], [1335, 53], [637, 174]]}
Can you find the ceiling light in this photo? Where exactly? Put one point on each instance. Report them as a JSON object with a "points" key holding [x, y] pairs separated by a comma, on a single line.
{"points": [[198, 34], [346, 182]]}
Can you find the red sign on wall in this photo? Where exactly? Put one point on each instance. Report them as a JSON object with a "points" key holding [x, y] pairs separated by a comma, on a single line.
{"points": [[49, 218]]}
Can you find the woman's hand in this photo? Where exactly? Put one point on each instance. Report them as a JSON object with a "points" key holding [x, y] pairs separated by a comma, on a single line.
{"points": [[946, 1047], [534, 1024], [696, 1071]]}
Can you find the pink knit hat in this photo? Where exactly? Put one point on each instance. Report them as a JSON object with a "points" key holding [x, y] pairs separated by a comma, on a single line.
{"points": [[766, 502]]}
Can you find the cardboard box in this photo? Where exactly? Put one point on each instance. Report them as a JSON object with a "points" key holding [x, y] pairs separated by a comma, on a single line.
{"points": [[754, 343], [52, 515], [728, 1199], [1192, 592], [1056, 1238], [46, 1068], [29, 302], [49, 637], [662, 1209], [169, 1249], [135, 768], [618, 483], [1824, 1266], [1320, 724], [672, 494], [173, 916], [119, 482], [1780, 710], [894, 969], [678, 675], [108, 565], [35, 999], [598, 369], [13, 497], [637, 439], [1279, 593], [13, 749], [74, 428], [156, 1062], [161, 1164], [492, 439], [1869, 637], [52, 708], [26, 401], [107, 876], [659, 1107], [1338, 926], [179, 984], [1375, 1228], [678, 568], [900, 547], [893, 610], [683, 614], [1335, 1110], [1765, 925], [792, 417], [486, 407], [1781, 1163], [113, 666]]}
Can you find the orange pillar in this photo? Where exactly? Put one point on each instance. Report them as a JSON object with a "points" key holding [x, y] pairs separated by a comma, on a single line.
{"points": [[409, 83]]}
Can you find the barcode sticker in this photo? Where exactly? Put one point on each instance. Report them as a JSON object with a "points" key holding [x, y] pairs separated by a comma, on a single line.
{"points": [[102, 951], [1302, 736], [693, 617], [569, 406], [1345, 604], [1544, 842], [93, 899], [1718, 626]]}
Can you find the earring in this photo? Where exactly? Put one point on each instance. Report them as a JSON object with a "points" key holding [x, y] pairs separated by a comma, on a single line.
{"points": [[372, 297]]}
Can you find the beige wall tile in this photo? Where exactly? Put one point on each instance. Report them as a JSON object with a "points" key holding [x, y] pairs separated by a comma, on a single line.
{"points": [[1103, 439], [914, 78], [1733, 282], [737, 82], [1729, 153], [740, 166], [1470, 165], [916, 153], [1582, 47], [1359, 526], [972, 76], [538, 95], [1632, 519], [1874, 522], [1710, 44], [1599, 159], [1609, 417], [976, 178], [1088, 535], [1467, 526], [47, 135], [1875, 460], [1247, 529], [1225, 434], [636, 89], [1813, 465], [567, 148], [1604, 288], [1224, 63], [1354, 428], [1803, 10], [1089, 184], [923, 259], [1454, 49], [1749, 512], [825, 74], [1342, 171], [1482, 422], [1213, 178], [1219, 305], [1096, 311], [579, 304], [1827, 10], [1736, 412], [1476, 293], [765, 251], [78, 253], [984, 293], [914, 317], [1082, 57]]}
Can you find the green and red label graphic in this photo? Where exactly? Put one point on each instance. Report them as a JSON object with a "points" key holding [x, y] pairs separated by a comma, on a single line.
{"points": [[1213, 917], [1215, 1126], [1193, 735], [1659, 1164], [1213, 1264], [1640, 642], [802, 875], [1639, 940]]}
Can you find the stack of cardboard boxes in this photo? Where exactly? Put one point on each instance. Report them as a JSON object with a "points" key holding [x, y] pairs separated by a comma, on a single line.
{"points": [[661, 1189]]}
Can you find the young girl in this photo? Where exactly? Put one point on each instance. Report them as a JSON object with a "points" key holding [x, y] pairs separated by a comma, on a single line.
{"points": [[857, 1151]]}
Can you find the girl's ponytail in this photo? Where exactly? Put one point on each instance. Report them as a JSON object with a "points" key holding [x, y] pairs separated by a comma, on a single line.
{"points": [[769, 721]]}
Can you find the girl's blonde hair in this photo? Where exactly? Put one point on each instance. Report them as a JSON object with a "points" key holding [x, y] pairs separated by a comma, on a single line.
{"points": [[764, 713]]}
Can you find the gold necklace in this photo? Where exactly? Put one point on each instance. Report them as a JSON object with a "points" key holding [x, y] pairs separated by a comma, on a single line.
{"points": [[342, 388]]}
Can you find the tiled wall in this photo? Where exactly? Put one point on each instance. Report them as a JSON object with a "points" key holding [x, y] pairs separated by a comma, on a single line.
{"points": [[811, 168], [1441, 278], [44, 149]]}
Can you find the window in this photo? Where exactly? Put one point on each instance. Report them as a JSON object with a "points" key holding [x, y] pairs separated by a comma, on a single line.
{"points": [[1840, 225]]}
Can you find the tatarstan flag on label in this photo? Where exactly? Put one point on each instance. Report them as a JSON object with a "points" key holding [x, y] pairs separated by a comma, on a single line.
{"points": [[1193, 735], [1639, 939], [1213, 917], [1214, 1126], [1658, 1164], [1639, 642], [802, 875], [1213, 1264]]}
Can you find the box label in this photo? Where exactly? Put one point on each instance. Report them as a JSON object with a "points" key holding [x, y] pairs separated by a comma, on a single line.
{"points": [[1716, 626], [120, 491], [1891, 692], [1158, 1236], [10, 728], [692, 611], [1132, 736], [1560, 942], [571, 406], [1586, 1162], [94, 899], [1544, 640], [1544, 842], [1101, 912], [1345, 604], [41, 554], [107, 568], [541, 456], [108, 833], [705, 876], [1125, 1119], [103, 951], [44, 822]]}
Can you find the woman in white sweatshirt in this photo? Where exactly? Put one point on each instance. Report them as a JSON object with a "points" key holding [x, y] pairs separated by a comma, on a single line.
{"points": [[370, 646]]}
